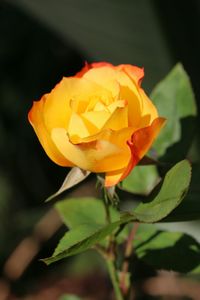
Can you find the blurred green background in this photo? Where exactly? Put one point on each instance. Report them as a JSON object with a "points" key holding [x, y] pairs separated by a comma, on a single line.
{"points": [[43, 40]]}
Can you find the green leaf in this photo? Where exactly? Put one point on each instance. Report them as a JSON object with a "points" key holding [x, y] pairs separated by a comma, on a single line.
{"points": [[82, 238], [69, 297], [175, 101], [87, 219], [174, 188], [74, 237], [189, 209], [77, 211], [141, 180], [75, 176], [167, 250]]}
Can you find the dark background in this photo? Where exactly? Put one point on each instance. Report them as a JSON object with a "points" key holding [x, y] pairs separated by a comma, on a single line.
{"points": [[41, 41]]}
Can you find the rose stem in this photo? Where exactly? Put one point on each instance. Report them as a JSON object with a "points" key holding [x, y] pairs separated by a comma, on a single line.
{"points": [[110, 254], [106, 205], [114, 278], [128, 251]]}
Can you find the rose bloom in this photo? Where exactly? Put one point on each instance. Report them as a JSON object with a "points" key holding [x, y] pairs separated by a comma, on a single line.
{"points": [[100, 120]]}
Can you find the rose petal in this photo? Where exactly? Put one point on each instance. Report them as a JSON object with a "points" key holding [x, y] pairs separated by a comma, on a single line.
{"points": [[88, 66], [149, 111], [139, 144], [35, 116], [83, 70], [120, 157], [112, 178], [129, 91], [114, 117], [68, 96], [134, 72], [77, 127], [118, 120], [93, 122], [106, 151], [87, 156], [96, 118]]}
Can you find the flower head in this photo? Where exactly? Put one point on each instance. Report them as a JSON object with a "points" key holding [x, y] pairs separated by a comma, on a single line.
{"points": [[100, 120]]}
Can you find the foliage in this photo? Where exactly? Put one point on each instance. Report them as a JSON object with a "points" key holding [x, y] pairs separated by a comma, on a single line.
{"points": [[87, 220]]}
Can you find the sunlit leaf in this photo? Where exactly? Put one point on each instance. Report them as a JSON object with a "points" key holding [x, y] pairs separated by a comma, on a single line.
{"points": [[86, 218], [173, 189], [174, 99], [141, 180], [84, 210], [82, 238], [189, 209]]}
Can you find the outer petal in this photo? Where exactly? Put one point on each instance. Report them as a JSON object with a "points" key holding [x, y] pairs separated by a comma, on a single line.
{"points": [[56, 110], [149, 111], [83, 70], [88, 66], [134, 72], [139, 144], [112, 178], [36, 119]]}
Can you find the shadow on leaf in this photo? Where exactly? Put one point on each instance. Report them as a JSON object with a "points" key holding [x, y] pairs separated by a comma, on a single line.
{"points": [[182, 256]]}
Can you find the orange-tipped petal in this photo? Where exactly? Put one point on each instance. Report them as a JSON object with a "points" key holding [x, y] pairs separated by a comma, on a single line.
{"points": [[134, 72], [102, 64], [88, 66], [112, 178], [83, 70], [139, 144]]}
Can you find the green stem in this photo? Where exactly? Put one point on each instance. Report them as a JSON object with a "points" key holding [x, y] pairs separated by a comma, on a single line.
{"points": [[107, 209], [114, 278], [109, 254]]}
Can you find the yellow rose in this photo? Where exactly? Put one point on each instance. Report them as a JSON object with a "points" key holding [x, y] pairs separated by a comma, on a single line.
{"points": [[100, 120]]}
